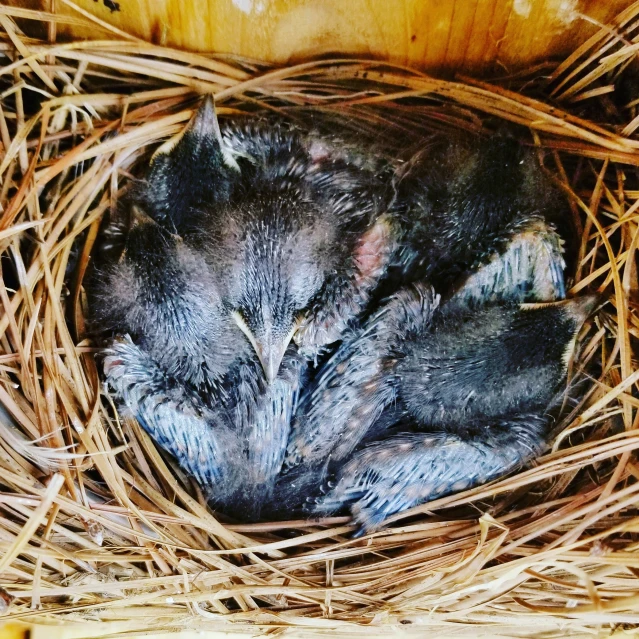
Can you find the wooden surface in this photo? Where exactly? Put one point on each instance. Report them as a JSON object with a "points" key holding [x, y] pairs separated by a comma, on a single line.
{"points": [[95, 631], [472, 35], [91, 631]]}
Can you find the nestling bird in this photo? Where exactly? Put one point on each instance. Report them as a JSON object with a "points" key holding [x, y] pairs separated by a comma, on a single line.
{"points": [[243, 240], [475, 385], [474, 221], [471, 386], [467, 201]]}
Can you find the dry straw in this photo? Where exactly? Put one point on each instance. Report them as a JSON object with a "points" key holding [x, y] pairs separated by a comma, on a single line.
{"points": [[97, 525]]}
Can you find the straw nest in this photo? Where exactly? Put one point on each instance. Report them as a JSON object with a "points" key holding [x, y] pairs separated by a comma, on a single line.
{"points": [[97, 525]]}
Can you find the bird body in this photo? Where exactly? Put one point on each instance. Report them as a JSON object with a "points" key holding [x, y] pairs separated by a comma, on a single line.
{"points": [[464, 202], [475, 385], [243, 239], [487, 361]]}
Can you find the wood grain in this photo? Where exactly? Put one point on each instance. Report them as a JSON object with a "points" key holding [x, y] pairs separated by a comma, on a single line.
{"points": [[473, 35]]}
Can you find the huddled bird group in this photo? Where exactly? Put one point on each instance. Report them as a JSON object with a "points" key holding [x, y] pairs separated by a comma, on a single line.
{"points": [[310, 326]]}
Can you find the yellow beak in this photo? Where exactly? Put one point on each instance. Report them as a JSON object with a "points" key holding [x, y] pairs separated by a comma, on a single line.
{"points": [[269, 351]]}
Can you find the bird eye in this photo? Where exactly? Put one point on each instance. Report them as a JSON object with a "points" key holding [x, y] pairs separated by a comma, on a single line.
{"points": [[242, 324]]}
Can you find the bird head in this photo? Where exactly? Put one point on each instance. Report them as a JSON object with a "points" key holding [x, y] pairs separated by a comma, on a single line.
{"points": [[255, 205], [272, 256], [162, 293]]}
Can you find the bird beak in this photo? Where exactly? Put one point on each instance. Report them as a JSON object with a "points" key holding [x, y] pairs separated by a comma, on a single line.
{"points": [[270, 355], [270, 351]]}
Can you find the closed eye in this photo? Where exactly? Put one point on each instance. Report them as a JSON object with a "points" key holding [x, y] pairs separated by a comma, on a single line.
{"points": [[243, 326]]}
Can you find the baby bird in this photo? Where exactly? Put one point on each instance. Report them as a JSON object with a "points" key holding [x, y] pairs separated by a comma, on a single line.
{"points": [[474, 222], [251, 249], [475, 386], [467, 202], [292, 227]]}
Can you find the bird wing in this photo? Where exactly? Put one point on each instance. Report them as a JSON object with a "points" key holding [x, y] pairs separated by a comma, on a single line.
{"points": [[197, 436], [393, 475], [530, 268], [357, 383]]}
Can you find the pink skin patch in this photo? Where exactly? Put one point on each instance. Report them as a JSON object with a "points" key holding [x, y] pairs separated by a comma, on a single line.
{"points": [[319, 152], [371, 254], [371, 257]]}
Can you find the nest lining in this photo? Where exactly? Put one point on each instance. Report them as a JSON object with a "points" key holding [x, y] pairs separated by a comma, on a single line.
{"points": [[98, 525]]}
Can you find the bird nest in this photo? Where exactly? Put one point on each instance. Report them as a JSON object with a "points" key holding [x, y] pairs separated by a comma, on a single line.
{"points": [[98, 525]]}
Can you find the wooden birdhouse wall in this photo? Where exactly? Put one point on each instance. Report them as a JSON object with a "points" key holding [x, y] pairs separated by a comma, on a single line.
{"points": [[475, 36]]}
